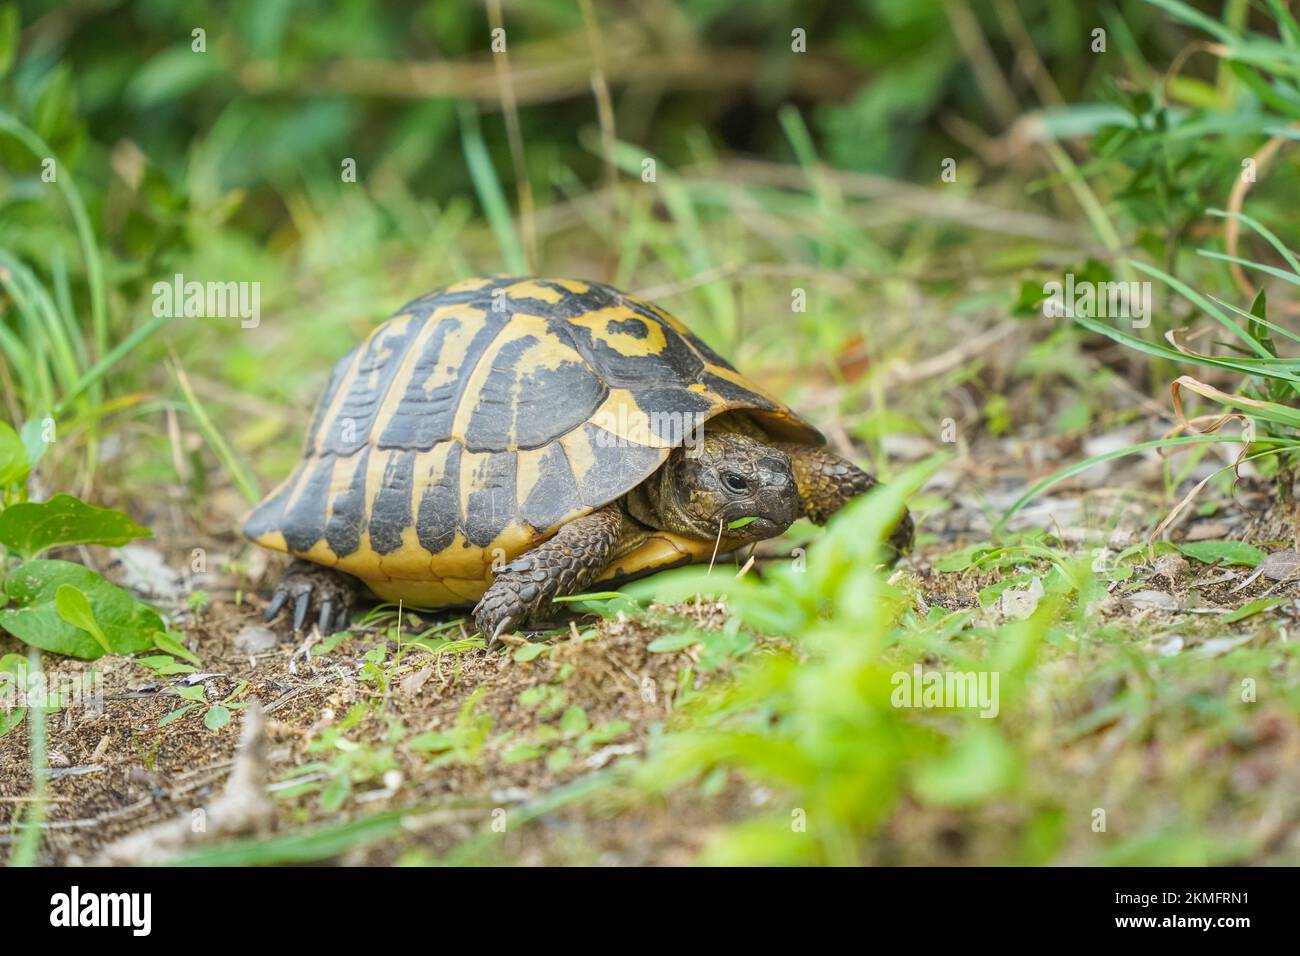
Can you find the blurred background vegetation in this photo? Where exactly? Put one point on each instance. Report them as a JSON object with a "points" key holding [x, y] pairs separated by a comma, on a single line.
{"points": [[226, 165]]}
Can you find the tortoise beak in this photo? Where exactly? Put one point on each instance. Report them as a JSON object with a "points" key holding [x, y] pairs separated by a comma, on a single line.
{"points": [[777, 504]]}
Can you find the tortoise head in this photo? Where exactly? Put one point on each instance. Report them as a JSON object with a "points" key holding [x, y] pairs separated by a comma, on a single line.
{"points": [[728, 481]]}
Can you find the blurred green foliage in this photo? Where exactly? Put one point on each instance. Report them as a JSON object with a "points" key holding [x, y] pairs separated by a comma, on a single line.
{"points": [[167, 142], [209, 140]]}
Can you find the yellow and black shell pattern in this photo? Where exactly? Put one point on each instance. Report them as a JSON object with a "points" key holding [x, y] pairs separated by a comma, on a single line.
{"points": [[482, 417]]}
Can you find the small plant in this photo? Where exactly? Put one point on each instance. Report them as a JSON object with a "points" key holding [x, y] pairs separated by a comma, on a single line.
{"points": [[350, 762], [464, 742], [571, 735], [816, 722], [215, 716], [198, 602], [1165, 173], [1265, 404], [13, 691], [59, 606]]}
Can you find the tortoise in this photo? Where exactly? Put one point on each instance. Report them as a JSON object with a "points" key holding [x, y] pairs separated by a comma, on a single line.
{"points": [[505, 441]]}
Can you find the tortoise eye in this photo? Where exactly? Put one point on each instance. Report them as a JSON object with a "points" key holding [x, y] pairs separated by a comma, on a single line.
{"points": [[734, 482]]}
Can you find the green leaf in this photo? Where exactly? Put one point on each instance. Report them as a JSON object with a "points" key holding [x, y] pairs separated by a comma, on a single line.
{"points": [[1181, 11], [741, 522], [433, 742], [977, 767], [965, 558], [165, 665], [216, 717], [574, 721], [1253, 608], [13, 685], [33, 438], [589, 596], [176, 714], [672, 642], [496, 209], [32, 615], [521, 753], [9, 30], [169, 75], [14, 465], [527, 652], [603, 734], [165, 642], [1228, 553], [532, 696], [55, 108], [559, 759], [74, 608], [32, 527]]}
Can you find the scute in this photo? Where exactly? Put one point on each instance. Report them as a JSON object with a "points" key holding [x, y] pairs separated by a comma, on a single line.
{"points": [[390, 511], [348, 509], [439, 512], [532, 392], [554, 496], [362, 390], [303, 523], [489, 492], [483, 416]]}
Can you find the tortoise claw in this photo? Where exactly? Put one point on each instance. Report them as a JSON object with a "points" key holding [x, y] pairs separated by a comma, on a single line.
{"points": [[278, 600], [300, 610], [315, 593], [498, 612], [504, 627]]}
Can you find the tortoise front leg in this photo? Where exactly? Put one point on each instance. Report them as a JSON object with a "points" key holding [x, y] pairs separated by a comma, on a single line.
{"points": [[564, 565], [827, 483]]}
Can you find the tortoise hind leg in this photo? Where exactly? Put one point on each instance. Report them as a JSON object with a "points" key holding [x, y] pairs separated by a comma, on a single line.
{"points": [[306, 584], [827, 483], [565, 564]]}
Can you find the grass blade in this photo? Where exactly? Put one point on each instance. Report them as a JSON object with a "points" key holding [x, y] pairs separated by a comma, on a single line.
{"points": [[1087, 463], [490, 194], [240, 475]]}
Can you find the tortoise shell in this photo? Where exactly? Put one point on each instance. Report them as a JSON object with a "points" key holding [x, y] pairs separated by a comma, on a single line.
{"points": [[482, 417]]}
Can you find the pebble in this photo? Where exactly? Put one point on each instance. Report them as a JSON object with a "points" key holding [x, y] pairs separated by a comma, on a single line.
{"points": [[256, 639]]}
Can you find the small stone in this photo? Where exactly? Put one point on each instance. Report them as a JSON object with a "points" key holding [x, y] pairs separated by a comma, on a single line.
{"points": [[1020, 603], [1281, 566], [412, 682], [1170, 646], [1216, 646], [1171, 567], [1153, 600], [256, 639]]}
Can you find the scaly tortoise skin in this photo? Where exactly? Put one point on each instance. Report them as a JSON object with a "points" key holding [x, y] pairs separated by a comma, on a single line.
{"points": [[512, 440]]}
